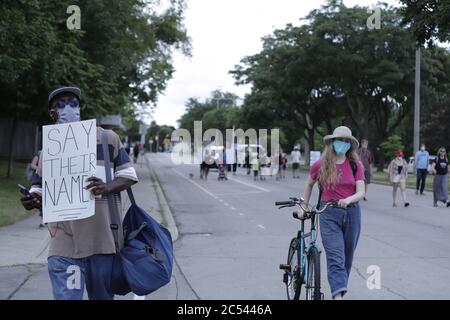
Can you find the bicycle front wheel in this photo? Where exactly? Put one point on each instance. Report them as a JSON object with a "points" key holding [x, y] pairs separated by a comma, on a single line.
{"points": [[292, 277], [312, 288]]}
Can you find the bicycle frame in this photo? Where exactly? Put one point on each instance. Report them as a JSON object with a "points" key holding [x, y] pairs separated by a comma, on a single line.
{"points": [[303, 249], [305, 244]]}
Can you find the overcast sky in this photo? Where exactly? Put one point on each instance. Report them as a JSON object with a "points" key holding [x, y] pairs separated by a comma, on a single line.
{"points": [[223, 32]]}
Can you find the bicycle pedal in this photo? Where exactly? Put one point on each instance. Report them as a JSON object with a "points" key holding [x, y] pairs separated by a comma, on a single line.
{"points": [[286, 267]]}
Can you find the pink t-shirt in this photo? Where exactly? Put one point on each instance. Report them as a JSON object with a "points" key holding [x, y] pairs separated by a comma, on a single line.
{"points": [[346, 184]]}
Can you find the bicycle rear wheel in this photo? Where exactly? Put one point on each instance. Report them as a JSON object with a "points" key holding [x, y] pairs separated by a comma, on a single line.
{"points": [[292, 277], [312, 289]]}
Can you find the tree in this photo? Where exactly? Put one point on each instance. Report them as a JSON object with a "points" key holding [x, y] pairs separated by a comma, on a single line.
{"points": [[161, 132], [120, 59], [428, 19], [219, 111], [391, 145], [331, 71], [436, 99]]}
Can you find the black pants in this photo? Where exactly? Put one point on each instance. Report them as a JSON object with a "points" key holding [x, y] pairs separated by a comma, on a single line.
{"points": [[421, 179]]}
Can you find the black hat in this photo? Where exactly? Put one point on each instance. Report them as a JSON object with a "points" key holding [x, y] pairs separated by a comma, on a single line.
{"points": [[74, 90]]}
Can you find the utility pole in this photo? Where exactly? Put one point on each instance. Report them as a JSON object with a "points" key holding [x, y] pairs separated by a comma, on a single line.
{"points": [[417, 103]]}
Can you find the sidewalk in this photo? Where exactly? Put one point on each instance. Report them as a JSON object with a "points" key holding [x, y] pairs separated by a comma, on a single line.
{"points": [[24, 248]]}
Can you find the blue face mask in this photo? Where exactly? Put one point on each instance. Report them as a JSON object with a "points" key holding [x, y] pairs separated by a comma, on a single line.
{"points": [[341, 147], [68, 114]]}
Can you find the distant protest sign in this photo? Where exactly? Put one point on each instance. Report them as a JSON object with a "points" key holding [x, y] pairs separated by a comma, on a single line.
{"points": [[314, 156], [69, 158], [230, 155]]}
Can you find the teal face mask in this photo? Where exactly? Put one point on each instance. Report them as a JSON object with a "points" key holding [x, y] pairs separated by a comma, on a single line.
{"points": [[341, 147]]}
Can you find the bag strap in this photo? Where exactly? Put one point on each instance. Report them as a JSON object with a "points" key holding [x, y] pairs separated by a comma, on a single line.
{"points": [[319, 199], [131, 196], [354, 166], [113, 214]]}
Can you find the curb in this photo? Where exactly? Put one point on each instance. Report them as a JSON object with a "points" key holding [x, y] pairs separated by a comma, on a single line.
{"points": [[384, 183], [165, 209]]}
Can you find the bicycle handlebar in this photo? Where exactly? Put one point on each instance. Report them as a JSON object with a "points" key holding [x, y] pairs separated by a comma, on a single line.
{"points": [[284, 203], [307, 211]]}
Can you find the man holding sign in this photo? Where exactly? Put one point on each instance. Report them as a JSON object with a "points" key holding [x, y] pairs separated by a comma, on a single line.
{"points": [[69, 158], [74, 201]]}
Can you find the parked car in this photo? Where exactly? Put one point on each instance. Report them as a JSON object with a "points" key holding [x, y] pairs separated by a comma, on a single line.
{"points": [[411, 164]]}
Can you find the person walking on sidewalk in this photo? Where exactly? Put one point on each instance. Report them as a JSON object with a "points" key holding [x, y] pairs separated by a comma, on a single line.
{"points": [[341, 177], [33, 168], [421, 163], [398, 173], [295, 155], [136, 152], [366, 158], [81, 252], [441, 169]]}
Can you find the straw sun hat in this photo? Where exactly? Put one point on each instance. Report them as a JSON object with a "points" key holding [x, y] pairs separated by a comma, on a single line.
{"points": [[344, 133]]}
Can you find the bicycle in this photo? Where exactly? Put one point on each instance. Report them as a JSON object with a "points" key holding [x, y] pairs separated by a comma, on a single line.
{"points": [[303, 262]]}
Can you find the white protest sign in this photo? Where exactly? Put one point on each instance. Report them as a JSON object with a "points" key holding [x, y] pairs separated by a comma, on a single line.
{"points": [[69, 158], [230, 155], [313, 157]]}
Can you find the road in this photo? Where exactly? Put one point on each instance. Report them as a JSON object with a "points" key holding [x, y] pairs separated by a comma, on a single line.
{"points": [[232, 238]]}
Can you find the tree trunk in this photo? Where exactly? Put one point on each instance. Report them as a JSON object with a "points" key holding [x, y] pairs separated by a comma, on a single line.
{"points": [[11, 147], [309, 145], [307, 148], [329, 126], [381, 161], [359, 114], [363, 118]]}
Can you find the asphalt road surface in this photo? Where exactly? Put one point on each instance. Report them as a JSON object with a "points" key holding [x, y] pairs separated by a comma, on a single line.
{"points": [[233, 238]]}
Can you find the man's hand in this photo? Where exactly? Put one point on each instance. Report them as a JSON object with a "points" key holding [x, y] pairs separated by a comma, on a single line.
{"points": [[100, 188], [97, 186], [33, 201], [343, 203]]}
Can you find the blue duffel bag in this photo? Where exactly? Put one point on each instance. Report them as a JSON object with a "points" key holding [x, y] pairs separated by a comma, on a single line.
{"points": [[147, 255], [144, 263]]}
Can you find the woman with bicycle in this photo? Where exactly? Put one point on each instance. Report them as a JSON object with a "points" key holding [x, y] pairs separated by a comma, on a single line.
{"points": [[340, 175]]}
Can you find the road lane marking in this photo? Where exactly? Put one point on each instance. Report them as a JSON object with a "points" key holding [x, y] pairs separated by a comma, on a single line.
{"points": [[197, 185], [261, 226], [239, 193], [227, 204], [233, 208], [248, 184], [241, 214]]}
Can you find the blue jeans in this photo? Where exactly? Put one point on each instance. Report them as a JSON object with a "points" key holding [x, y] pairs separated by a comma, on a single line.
{"points": [[340, 229], [69, 277]]}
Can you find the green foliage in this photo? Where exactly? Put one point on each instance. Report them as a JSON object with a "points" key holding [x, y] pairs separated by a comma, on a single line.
{"points": [[11, 209], [391, 145], [332, 70], [428, 19], [219, 111], [120, 57], [161, 132]]}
